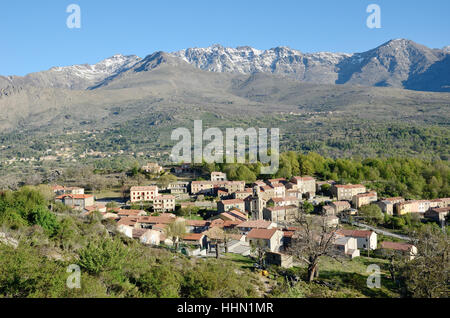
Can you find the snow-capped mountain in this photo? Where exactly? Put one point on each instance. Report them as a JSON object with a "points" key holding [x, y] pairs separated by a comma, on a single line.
{"points": [[397, 63], [280, 60], [76, 76]]}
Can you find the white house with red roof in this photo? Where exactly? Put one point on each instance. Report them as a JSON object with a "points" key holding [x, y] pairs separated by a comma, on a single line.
{"points": [[365, 239], [266, 238]]}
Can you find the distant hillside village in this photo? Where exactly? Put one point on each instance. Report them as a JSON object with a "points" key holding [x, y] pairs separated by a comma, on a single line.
{"points": [[243, 215]]}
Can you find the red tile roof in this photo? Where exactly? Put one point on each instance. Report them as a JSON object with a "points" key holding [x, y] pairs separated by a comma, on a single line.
{"points": [[144, 188], [393, 199], [369, 194], [264, 234], [197, 222], [349, 186], [193, 236], [127, 221], [396, 246], [305, 178], [355, 233], [75, 196]]}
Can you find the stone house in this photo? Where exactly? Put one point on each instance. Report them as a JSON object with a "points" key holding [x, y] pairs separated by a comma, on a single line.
{"points": [[306, 185], [76, 201], [365, 239], [283, 213], [227, 205], [218, 176], [408, 251], [364, 199], [266, 238], [164, 203], [346, 192], [143, 194]]}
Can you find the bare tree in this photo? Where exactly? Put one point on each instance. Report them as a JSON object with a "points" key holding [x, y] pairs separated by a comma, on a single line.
{"points": [[313, 240], [260, 249]]}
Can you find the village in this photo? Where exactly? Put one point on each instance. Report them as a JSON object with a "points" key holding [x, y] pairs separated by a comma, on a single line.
{"points": [[248, 219]]}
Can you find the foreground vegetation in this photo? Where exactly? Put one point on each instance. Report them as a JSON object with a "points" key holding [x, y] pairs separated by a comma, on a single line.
{"points": [[111, 265]]}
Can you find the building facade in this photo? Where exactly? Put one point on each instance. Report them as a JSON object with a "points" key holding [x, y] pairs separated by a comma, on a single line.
{"points": [[143, 194]]}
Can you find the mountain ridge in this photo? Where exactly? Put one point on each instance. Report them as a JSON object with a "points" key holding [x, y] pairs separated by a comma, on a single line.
{"points": [[398, 63]]}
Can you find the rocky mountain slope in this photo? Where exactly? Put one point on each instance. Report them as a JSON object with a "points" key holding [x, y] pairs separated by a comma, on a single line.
{"points": [[74, 77], [398, 63]]}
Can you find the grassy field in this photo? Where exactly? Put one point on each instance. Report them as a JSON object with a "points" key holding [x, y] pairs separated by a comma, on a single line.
{"points": [[344, 278], [107, 194]]}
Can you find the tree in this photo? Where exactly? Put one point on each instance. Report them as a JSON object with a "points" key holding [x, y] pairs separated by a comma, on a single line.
{"points": [[112, 205], [307, 207], [427, 275], [165, 180], [313, 240], [325, 188], [260, 249], [372, 214], [176, 230], [103, 255]]}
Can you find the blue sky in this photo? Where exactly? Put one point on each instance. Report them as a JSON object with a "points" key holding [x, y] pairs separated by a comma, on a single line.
{"points": [[35, 37]]}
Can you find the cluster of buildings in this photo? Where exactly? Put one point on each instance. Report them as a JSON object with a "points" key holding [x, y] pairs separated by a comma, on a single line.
{"points": [[259, 214], [75, 198], [353, 196], [161, 203]]}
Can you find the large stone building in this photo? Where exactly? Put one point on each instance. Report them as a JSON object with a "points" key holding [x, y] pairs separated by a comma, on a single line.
{"points": [[365, 239], [218, 176], [340, 206], [306, 185], [211, 187], [387, 204], [346, 192], [164, 203], [266, 238], [284, 201], [76, 201], [60, 190], [227, 205], [143, 194], [438, 214], [364, 199], [281, 214], [413, 206]]}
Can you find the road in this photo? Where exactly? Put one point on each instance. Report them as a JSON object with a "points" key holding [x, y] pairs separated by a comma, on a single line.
{"points": [[378, 231]]}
